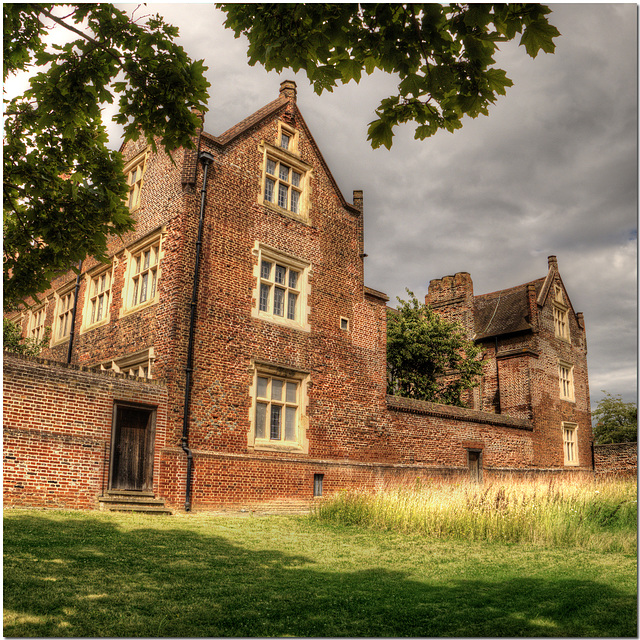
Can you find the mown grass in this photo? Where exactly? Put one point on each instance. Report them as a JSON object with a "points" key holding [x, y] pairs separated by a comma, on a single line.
{"points": [[556, 513], [124, 575]]}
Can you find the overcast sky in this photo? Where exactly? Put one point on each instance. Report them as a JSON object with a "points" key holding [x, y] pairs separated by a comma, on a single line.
{"points": [[552, 171]]}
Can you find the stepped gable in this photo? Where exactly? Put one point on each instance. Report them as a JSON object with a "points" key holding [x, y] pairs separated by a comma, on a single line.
{"points": [[502, 312]]}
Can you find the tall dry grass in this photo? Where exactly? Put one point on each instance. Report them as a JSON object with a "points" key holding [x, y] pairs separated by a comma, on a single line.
{"points": [[564, 512]]}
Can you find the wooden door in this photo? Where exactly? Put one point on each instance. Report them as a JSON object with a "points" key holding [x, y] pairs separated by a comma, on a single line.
{"points": [[132, 448], [475, 465]]}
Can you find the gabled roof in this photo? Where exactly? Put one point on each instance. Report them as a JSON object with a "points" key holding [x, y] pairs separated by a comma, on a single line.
{"points": [[269, 111], [507, 311], [502, 312]]}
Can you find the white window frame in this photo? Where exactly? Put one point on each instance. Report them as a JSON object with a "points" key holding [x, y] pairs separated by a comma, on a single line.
{"points": [[299, 442], [290, 263], [135, 170], [63, 316], [565, 379], [92, 297], [37, 322], [291, 160], [136, 365], [570, 444], [136, 270]]}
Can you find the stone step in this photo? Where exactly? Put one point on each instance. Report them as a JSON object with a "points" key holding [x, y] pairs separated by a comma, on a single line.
{"points": [[140, 502], [138, 508], [150, 500]]}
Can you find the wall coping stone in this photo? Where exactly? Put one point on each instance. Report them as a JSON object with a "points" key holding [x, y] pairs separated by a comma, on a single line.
{"points": [[462, 414]]}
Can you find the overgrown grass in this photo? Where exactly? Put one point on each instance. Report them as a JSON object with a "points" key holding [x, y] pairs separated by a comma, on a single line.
{"points": [[125, 575], [558, 513]]}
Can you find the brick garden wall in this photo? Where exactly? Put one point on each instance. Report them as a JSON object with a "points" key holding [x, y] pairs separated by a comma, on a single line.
{"points": [[620, 459], [57, 430]]}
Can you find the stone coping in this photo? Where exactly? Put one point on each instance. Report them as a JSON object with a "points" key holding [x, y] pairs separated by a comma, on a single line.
{"points": [[409, 405]]}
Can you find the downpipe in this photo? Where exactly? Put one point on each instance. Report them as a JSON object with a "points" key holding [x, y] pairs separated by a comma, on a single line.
{"points": [[72, 331], [206, 159]]}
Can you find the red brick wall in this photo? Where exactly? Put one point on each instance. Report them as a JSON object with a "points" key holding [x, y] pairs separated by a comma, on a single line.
{"points": [[57, 430], [620, 459]]}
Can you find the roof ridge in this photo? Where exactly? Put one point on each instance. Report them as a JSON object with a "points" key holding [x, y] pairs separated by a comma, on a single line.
{"points": [[249, 121], [509, 289]]}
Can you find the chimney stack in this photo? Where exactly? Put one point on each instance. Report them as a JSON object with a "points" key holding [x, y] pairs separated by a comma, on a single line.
{"points": [[288, 90]]}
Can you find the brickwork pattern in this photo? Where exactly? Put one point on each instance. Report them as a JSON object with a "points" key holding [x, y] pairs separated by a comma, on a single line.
{"points": [[356, 435], [617, 460], [57, 430]]}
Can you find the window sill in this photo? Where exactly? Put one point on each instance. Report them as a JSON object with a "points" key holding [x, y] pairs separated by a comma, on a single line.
{"points": [[265, 445], [282, 322], [140, 307], [95, 325], [285, 212], [58, 341]]}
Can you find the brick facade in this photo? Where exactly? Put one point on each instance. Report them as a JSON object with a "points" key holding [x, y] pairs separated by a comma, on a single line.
{"points": [[531, 337], [282, 305], [58, 430], [616, 460]]}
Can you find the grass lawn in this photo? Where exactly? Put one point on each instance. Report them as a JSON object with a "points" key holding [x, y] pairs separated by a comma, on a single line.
{"points": [[102, 574]]}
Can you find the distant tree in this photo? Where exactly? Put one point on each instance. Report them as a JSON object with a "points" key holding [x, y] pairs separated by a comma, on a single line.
{"points": [[429, 358], [615, 420], [13, 342], [63, 190], [441, 53]]}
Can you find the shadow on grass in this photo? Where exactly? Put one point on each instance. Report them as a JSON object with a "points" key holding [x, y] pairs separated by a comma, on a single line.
{"points": [[90, 577]]}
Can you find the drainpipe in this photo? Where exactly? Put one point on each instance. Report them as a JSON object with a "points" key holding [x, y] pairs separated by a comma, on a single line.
{"points": [[206, 159], [72, 332], [498, 379]]}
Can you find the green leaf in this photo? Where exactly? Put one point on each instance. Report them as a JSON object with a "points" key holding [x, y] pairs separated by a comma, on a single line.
{"points": [[539, 35]]}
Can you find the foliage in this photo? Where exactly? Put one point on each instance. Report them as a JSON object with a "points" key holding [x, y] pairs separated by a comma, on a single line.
{"points": [[99, 574], [63, 189], [429, 358], [615, 420], [12, 340], [578, 514], [441, 53]]}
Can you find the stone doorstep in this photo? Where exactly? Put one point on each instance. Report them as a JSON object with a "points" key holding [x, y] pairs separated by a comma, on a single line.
{"points": [[141, 502]]}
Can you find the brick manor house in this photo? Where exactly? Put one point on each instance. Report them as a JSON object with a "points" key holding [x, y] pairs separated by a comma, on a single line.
{"points": [[230, 353]]}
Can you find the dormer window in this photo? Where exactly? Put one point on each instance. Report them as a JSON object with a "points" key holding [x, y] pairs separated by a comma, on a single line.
{"points": [[285, 140]]}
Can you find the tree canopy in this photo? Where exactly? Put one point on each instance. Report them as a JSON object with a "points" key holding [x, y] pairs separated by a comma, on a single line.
{"points": [[429, 358], [63, 189], [615, 420], [441, 53]]}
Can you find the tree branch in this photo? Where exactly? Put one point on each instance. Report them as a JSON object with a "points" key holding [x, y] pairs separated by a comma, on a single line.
{"points": [[77, 31]]}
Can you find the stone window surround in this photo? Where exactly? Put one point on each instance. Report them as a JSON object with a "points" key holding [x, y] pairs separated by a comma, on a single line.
{"points": [[261, 251], [293, 161], [59, 296], [266, 369], [89, 278], [37, 321], [566, 381], [135, 189], [570, 444], [156, 237]]}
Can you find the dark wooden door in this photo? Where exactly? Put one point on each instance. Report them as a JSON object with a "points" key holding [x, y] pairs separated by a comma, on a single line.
{"points": [[132, 449], [475, 467]]}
